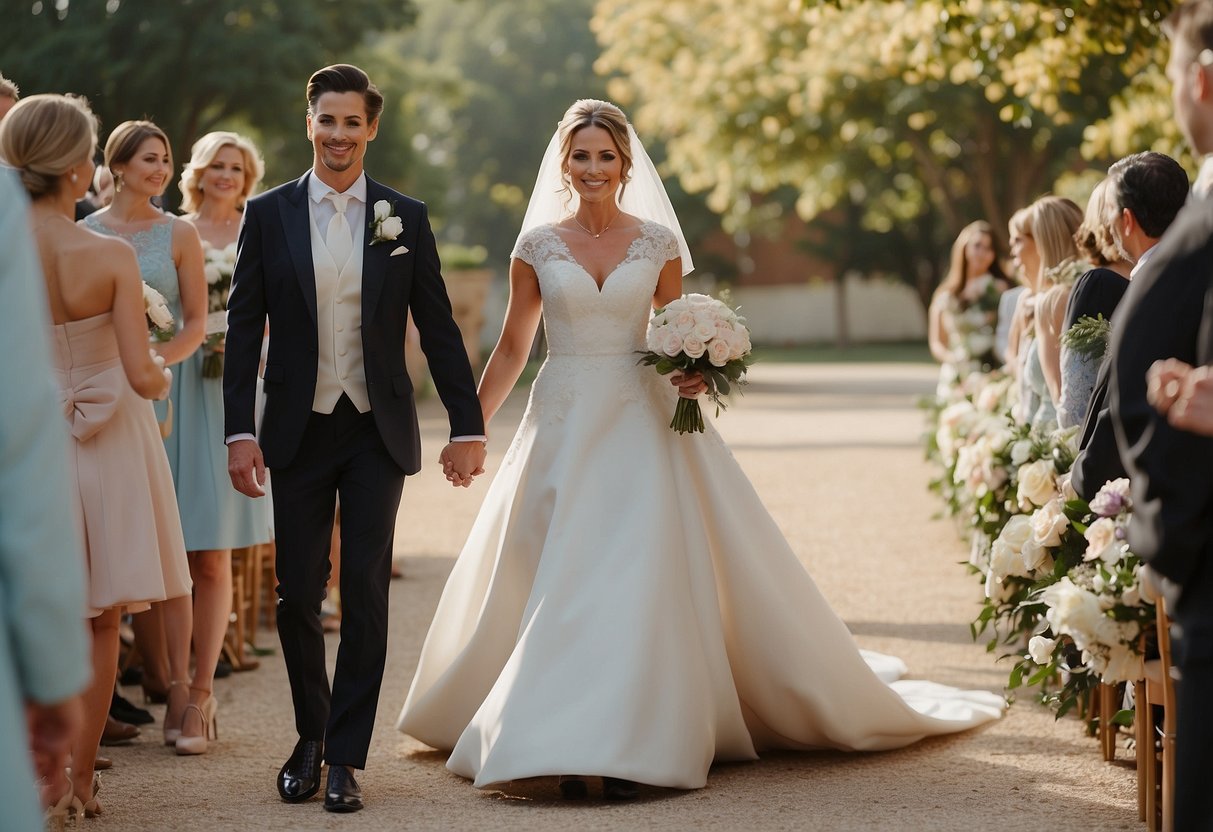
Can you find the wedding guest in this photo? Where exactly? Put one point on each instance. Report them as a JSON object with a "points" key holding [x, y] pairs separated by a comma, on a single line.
{"points": [[1054, 222], [964, 309], [9, 95], [1026, 260], [170, 261], [1146, 191], [44, 595], [223, 170], [1097, 247], [105, 373], [1169, 469]]}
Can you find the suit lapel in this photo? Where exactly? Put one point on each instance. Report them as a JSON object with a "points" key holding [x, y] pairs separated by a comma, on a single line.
{"points": [[374, 262], [292, 206]]}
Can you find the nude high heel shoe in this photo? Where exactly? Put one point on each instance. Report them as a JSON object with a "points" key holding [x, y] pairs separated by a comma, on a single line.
{"points": [[173, 731], [207, 713]]}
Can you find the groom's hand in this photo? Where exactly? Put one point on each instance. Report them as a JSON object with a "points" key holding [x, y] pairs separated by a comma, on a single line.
{"points": [[246, 467], [462, 462]]}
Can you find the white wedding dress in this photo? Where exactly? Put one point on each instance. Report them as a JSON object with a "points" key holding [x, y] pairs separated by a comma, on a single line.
{"points": [[625, 605]]}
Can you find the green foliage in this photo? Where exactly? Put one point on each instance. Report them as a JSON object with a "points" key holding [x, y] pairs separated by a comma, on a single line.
{"points": [[193, 65], [899, 122], [1088, 336]]}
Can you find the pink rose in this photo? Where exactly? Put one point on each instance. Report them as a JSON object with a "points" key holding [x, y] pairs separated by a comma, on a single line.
{"points": [[719, 352], [671, 341], [693, 347]]}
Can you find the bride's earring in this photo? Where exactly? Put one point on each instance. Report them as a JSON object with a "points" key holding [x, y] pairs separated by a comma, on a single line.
{"points": [[117, 182]]}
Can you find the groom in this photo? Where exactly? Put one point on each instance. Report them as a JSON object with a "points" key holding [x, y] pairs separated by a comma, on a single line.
{"points": [[336, 262]]}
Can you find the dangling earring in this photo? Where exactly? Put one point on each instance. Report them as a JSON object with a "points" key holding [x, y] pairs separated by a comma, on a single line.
{"points": [[75, 178], [117, 182]]}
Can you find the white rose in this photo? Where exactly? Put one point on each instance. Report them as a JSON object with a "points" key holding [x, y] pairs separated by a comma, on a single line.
{"points": [[1131, 597], [390, 228], [740, 343], [383, 210], [1040, 648], [213, 273], [684, 322], [1100, 536], [1036, 485], [954, 414], [996, 589], [1067, 488], [719, 352], [705, 327], [671, 341], [1048, 524], [692, 346], [1036, 558], [1073, 611], [988, 398], [1016, 532]]}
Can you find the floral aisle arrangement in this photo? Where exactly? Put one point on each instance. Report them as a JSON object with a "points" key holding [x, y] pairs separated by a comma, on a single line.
{"points": [[220, 264], [1059, 584], [697, 333]]}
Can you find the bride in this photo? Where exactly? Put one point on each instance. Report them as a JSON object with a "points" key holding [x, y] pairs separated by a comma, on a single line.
{"points": [[624, 606]]}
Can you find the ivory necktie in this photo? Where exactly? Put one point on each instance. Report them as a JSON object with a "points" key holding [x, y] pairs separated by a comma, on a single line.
{"points": [[338, 238]]}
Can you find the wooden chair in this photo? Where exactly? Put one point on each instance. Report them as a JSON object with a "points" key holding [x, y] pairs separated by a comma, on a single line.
{"points": [[1108, 697], [1158, 770]]}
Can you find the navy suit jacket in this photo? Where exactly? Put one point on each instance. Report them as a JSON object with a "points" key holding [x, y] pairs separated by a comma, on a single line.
{"points": [[274, 278], [1171, 470]]}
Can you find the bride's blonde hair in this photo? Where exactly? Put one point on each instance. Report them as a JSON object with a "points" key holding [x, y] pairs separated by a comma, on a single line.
{"points": [[590, 112]]}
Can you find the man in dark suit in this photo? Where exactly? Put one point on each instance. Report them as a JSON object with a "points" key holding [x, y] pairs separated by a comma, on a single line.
{"points": [[1148, 189], [1171, 470], [336, 261]]}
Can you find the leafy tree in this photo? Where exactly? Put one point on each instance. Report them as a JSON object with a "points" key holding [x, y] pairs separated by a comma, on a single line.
{"points": [[924, 115], [193, 65]]}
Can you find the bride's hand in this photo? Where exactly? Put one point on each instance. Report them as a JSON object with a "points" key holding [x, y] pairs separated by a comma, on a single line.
{"points": [[690, 385]]}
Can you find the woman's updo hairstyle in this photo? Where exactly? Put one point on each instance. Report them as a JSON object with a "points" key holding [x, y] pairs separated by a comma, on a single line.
{"points": [[590, 112], [45, 136]]}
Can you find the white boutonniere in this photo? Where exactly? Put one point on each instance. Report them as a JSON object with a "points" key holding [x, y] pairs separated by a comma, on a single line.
{"points": [[386, 226]]}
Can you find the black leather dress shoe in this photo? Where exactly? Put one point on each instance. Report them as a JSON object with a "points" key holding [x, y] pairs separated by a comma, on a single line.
{"points": [[342, 793], [299, 778], [614, 788]]}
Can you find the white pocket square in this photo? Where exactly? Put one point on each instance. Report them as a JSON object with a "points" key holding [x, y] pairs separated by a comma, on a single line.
{"points": [[400, 250]]}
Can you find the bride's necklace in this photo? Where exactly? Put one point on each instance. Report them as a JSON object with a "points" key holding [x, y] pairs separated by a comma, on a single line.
{"points": [[604, 230]]}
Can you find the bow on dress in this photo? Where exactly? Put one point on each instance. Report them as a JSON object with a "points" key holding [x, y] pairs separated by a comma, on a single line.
{"points": [[90, 404]]}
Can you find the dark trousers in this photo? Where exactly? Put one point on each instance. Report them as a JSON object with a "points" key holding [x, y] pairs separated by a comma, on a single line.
{"points": [[341, 454], [1194, 705]]}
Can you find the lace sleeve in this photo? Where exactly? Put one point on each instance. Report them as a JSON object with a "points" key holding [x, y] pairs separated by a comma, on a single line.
{"points": [[527, 247], [657, 244]]}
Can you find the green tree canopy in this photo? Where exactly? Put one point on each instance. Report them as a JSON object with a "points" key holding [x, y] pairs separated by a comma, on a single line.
{"points": [[193, 65], [914, 117]]}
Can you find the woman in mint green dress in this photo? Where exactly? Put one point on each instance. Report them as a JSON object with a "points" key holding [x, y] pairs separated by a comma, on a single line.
{"points": [[171, 261]]}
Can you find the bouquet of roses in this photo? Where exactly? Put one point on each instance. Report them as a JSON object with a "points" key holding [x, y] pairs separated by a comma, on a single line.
{"points": [[220, 263], [159, 316], [698, 334]]}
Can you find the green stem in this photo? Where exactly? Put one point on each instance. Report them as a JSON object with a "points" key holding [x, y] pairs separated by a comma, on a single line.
{"points": [[688, 418]]}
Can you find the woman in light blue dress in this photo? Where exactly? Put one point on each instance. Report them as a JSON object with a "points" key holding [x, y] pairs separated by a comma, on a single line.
{"points": [[171, 261]]}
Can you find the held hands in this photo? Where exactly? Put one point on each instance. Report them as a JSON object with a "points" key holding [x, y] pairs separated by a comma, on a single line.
{"points": [[1183, 394], [246, 467], [462, 462], [689, 385]]}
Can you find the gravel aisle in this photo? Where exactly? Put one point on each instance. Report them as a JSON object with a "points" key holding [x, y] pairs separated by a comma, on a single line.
{"points": [[833, 449]]}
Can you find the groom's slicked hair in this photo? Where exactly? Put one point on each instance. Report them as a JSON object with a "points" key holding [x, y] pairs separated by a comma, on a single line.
{"points": [[344, 78], [1151, 185]]}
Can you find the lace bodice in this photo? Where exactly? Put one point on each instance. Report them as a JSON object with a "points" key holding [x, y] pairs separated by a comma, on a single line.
{"points": [[578, 317], [154, 248]]}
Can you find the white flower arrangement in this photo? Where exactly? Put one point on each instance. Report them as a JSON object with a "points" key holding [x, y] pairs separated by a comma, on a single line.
{"points": [[385, 225], [159, 316], [697, 333]]}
